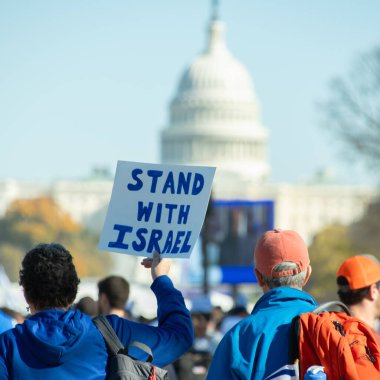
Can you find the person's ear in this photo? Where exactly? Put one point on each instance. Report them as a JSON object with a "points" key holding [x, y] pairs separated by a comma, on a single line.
{"points": [[308, 273], [373, 292], [259, 278]]}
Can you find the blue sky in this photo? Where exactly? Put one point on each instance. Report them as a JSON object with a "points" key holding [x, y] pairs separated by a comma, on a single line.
{"points": [[88, 82]]}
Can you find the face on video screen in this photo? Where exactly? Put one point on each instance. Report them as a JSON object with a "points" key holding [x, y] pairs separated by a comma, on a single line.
{"points": [[236, 226]]}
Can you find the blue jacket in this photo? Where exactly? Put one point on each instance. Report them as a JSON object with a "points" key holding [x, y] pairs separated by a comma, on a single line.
{"points": [[258, 345], [6, 322], [57, 344]]}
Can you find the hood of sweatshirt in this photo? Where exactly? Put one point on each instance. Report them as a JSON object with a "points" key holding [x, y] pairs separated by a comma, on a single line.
{"points": [[284, 298], [55, 335]]}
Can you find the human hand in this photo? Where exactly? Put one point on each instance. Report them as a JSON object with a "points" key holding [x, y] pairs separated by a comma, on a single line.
{"points": [[158, 266]]}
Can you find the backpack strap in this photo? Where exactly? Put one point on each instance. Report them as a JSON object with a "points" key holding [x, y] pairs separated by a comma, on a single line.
{"points": [[330, 304], [112, 340], [294, 338], [109, 335], [142, 347]]}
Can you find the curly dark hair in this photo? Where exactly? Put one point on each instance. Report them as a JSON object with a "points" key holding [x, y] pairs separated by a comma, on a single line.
{"points": [[48, 277]]}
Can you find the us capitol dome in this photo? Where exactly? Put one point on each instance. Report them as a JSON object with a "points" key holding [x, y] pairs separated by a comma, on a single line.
{"points": [[214, 117]]}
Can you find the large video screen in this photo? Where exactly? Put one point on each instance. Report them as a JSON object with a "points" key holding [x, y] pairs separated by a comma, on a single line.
{"points": [[234, 230]]}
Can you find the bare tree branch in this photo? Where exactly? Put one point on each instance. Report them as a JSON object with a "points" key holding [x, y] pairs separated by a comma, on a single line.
{"points": [[352, 113]]}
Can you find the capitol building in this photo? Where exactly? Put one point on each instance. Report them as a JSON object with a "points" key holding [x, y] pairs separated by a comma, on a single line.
{"points": [[214, 120]]}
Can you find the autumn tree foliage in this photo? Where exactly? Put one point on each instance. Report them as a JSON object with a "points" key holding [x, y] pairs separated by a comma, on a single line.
{"points": [[335, 243], [329, 248], [365, 233], [28, 222]]}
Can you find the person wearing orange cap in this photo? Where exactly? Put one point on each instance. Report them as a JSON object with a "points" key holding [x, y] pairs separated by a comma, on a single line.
{"points": [[358, 280], [258, 346]]}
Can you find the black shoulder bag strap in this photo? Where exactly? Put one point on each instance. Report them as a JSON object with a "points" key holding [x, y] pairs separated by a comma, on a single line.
{"points": [[112, 340]]}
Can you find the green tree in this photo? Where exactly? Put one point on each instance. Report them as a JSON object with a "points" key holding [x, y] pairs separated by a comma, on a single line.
{"points": [[28, 222], [329, 248], [365, 233], [10, 259]]}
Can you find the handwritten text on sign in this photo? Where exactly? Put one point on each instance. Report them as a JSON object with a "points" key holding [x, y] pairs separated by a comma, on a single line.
{"points": [[156, 207]]}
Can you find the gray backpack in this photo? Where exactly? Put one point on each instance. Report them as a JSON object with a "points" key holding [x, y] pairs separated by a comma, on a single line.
{"points": [[121, 366]]}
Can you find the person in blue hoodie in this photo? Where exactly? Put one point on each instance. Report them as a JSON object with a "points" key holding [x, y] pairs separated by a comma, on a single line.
{"points": [[257, 347], [59, 343]]}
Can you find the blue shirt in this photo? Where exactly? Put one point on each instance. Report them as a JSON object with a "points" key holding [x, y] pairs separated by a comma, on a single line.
{"points": [[259, 344]]}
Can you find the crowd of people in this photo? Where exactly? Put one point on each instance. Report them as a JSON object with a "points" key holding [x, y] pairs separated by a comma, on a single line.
{"points": [[58, 340]]}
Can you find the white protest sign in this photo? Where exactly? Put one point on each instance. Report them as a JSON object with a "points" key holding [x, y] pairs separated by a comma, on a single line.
{"points": [[156, 207]]}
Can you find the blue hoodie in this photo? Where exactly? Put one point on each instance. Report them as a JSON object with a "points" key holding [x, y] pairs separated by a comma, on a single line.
{"points": [[57, 344], [259, 344], [6, 322]]}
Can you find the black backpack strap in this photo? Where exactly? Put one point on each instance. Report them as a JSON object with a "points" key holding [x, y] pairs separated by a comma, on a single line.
{"points": [[112, 340], [294, 340], [328, 305], [109, 335]]}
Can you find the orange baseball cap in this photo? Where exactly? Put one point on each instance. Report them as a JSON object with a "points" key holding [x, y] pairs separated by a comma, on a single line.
{"points": [[277, 246], [360, 271]]}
